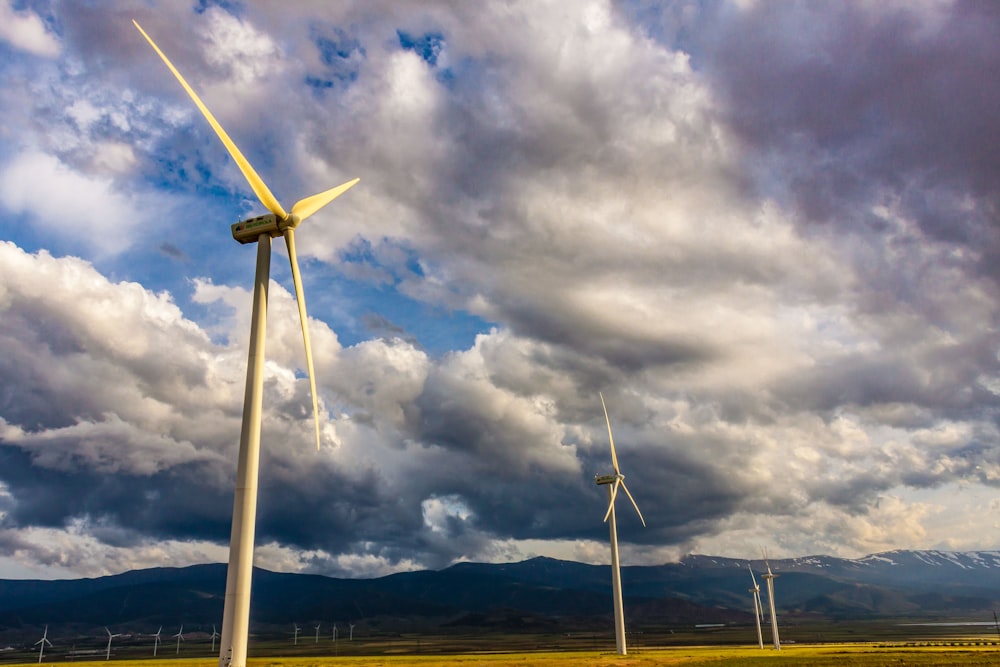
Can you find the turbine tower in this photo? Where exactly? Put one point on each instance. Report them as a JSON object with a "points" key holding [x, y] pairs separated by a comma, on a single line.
{"points": [[215, 635], [42, 642], [297, 628], [334, 633], [156, 640], [770, 577], [110, 637], [317, 632], [758, 608], [613, 482], [236, 612], [180, 638], [351, 637]]}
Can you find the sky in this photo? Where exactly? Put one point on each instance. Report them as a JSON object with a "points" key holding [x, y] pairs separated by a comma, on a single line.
{"points": [[766, 232]]}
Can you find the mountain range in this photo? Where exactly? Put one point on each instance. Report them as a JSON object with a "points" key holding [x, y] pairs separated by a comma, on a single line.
{"points": [[540, 594]]}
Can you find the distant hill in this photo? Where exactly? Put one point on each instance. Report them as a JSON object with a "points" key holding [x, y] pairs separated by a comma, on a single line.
{"points": [[540, 594]]}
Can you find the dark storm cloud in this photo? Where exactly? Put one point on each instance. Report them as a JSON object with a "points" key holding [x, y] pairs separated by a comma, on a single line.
{"points": [[854, 104]]}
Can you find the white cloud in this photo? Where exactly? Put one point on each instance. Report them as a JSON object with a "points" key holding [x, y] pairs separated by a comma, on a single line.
{"points": [[86, 209], [24, 30]]}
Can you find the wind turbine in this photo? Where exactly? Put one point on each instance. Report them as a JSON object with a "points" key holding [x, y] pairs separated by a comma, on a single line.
{"points": [[351, 638], [758, 608], [110, 637], [156, 640], [317, 632], [236, 613], [297, 628], [769, 577], [334, 633], [613, 482], [42, 642], [180, 638], [215, 634]]}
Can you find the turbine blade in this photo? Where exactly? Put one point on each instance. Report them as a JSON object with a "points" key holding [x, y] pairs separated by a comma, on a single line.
{"points": [[306, 207], [256, 182], [752, 577], [625, 488], [614, 495], [300, 299], [614, 458]]}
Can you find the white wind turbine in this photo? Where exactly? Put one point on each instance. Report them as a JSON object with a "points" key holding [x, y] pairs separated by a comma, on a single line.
{"points": [[297, 628], [770, 577], [42, 642], [613, 482], [156, 640], [215, 635], [334, 633], [317, 632], [351, 638], [110, 637], [758, 608], [236, 613], [180, 638]]}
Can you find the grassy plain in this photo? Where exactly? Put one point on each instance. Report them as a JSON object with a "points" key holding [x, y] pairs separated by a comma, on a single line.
{"points": [[849, 655]]}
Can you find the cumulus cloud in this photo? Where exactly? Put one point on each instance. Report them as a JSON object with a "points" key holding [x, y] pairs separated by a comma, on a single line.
{"points": [[764, 232], [24, 30]]}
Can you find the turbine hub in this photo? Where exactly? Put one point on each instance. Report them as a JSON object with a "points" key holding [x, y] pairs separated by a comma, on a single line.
{"points": [[290, 222]]}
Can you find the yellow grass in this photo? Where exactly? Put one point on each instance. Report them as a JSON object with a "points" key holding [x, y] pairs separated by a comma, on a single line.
{"points": [[839, 655]]}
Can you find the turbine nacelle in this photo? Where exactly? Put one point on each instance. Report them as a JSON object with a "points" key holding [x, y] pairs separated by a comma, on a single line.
{"points": [[248, 231], [602, 480]]}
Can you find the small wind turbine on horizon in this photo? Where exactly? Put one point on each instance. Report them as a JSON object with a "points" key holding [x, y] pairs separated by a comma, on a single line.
{"points": [[351, 638], [110, 637], [156, 640], [334, 633], [260, 230], [297, 628], [770, 577], [317, 632], [758, 608], [215, 635], [613, 482], [180, 638], [42, 642]]}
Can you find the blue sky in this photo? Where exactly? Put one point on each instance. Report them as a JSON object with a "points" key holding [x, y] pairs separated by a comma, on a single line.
{"points": [[766, 232]]}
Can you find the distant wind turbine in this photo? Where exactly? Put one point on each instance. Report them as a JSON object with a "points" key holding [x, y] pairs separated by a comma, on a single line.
{"points": [[42, 642], [613, 482], [215, 635], [110, 637], [156, 640], [297, 628], [236, 612], [351, 638], [317, 632], [758, 608], [770, 577], [180, 638], [334, 633]]}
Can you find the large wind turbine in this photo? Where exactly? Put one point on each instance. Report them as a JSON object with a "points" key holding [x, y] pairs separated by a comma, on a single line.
{"points": [[42, 642], [770, 577], [236, 612], [156, 640], [758, 608], [613, 482]]}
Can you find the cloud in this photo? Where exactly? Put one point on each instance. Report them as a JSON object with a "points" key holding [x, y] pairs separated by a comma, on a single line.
{"points": [[763, 232], [24, 30], [87, 209]]}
